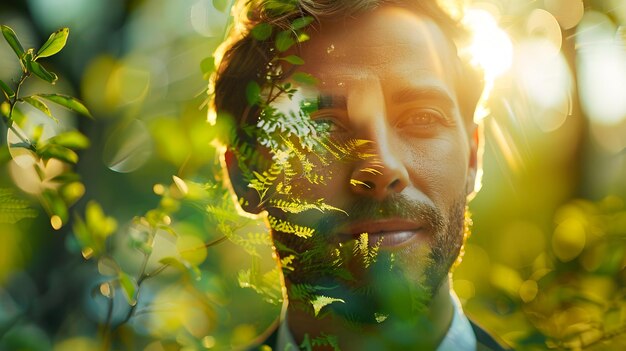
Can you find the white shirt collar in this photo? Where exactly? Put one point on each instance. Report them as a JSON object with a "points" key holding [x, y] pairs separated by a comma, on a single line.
{"points": [[460, 335]]}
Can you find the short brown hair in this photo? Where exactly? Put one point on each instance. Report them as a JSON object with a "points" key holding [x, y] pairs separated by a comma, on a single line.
{"points": [[246, 58]]}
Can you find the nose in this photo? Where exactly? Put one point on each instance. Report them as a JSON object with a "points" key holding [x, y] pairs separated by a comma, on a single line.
{"points": [[379, 172]]}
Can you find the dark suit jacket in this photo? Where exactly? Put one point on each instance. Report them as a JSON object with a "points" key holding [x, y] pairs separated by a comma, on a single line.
{"points": [[484, 340]]}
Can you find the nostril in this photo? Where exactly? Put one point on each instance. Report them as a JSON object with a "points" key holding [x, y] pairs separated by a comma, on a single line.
{"points": [[393, 185]]}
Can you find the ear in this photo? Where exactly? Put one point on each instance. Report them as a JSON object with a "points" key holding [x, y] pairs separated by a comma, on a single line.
{"points": [[247, 197], [474, 166]]}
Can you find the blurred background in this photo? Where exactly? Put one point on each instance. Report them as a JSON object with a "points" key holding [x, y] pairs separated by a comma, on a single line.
{"points": [[153, 256]]}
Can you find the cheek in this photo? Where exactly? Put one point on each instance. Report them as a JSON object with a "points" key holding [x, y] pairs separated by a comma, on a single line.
{"points": [[438, 168], [328, 181]]}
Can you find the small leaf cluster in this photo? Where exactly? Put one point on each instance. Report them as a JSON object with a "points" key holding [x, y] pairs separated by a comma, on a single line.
{"points": [[94, 233], [66, 187]]}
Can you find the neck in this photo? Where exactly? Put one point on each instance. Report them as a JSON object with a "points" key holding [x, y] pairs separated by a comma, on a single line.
{"points": [[426, 333]]}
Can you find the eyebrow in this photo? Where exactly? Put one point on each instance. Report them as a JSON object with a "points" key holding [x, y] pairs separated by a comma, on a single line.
{"points": [[401, 96], [331, 101], [425, 93]]}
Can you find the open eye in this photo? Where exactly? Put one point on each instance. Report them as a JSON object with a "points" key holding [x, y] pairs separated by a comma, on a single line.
{"points": [[327, 122], [420, 118]]}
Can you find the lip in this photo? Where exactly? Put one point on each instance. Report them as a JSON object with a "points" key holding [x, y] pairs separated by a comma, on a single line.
{"points": [[390, 233]]}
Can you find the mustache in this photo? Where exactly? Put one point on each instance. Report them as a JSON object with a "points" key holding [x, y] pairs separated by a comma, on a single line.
{"points": [[394, 206]]}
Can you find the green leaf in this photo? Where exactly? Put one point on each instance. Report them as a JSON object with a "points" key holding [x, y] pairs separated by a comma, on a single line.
{"points": [[13, 209], [54, 44], [11, 38], [37, 133], [304, 78], [41, 72], [321, 301], [66, 178], [253, 93], [129, 287], [302, 37], [293, 59], [108, 266], [284, 40], [55, 205], [8, 92], [72, 139], [38, 104], [301, 22], [59, 152], [67, 102], [280, 7], [98, 223], [5, 108], [261, 31], [72, 192], [87, 244], [17, 116]]}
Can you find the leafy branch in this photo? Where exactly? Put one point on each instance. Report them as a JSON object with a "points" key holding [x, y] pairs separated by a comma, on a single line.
{"points": [[65, 188]]}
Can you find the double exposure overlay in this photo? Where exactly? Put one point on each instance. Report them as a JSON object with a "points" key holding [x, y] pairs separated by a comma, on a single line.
{"points": [[173, 173]]}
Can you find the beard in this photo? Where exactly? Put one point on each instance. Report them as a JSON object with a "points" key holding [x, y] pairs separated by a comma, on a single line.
{"points": [[368, 285]]}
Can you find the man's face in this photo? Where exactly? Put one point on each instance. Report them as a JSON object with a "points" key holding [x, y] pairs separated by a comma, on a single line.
{"points": [[396, 163]]}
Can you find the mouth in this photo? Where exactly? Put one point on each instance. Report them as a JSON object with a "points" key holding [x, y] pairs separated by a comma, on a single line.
{"points": [[388, 234]]}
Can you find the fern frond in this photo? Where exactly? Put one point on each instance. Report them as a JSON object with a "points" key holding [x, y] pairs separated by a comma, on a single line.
{"points": [[297, 206], [290, 228]]}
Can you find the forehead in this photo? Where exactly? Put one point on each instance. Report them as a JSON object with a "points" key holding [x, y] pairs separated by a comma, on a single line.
{"points": [[389, 44]]}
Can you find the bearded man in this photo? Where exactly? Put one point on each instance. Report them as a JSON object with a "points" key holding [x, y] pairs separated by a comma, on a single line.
{"points": [[354, 135]]}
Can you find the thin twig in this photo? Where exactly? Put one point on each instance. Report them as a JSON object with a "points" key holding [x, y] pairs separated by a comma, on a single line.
{"points": [[12, 104]]}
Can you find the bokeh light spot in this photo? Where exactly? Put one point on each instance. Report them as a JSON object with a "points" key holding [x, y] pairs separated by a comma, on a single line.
{"points": [[601, 71], [567, 12], [56, 222], [569, 239], [207, 20], [191, 249], [128, 147], [542, 25], [528, 290], [545, 77]]}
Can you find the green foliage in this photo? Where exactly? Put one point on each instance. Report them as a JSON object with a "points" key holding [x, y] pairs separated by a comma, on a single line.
{"points": [[322, 301], [11, 38], [93, 231], [324, 339], [284, 40], [54, 44], [13, 209], [62, 147], [67, 102], [301, 22], [295, 205], [129, 287], [293, 59], [263, 283], [262, 31], [290, 228]]}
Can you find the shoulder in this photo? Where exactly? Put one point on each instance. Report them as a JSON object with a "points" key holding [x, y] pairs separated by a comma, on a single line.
{"points": [[487, 342]]}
